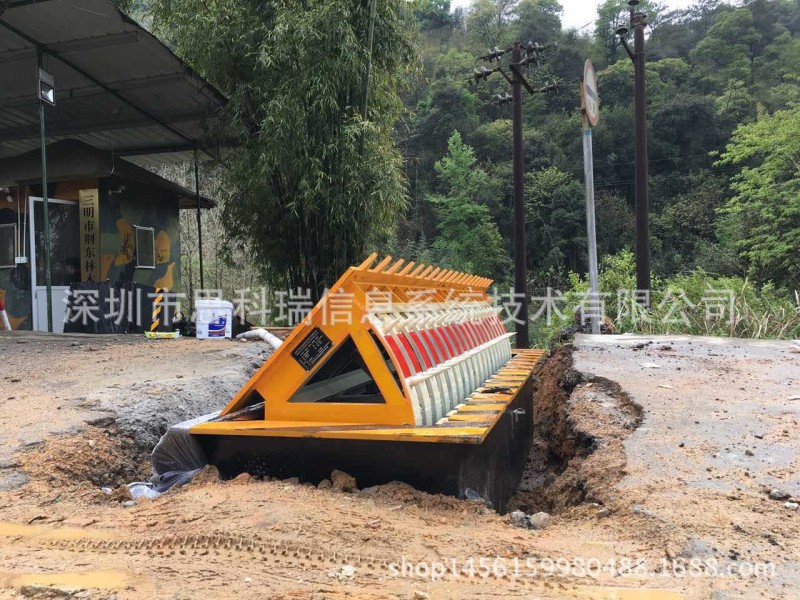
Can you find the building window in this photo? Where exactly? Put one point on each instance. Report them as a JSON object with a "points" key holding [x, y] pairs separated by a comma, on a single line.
{"points": [[8, 244], [145, 247]]}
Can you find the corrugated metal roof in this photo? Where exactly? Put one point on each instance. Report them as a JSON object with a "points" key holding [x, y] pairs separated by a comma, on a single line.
{"points": [[70, 159], [118, 87]]}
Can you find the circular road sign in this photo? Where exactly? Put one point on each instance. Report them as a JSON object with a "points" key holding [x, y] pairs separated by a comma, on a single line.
{"points": [[591, 99]]}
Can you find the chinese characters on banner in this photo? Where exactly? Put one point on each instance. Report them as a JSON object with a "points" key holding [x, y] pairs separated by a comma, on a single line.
{"points": [[715, 308], [88, 201]]}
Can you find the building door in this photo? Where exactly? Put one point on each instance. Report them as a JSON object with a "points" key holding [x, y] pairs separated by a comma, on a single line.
{"points": [[64, 259]]}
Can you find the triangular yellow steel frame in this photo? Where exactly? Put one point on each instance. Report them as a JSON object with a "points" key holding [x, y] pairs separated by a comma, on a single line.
{"points": [[282, 375]]}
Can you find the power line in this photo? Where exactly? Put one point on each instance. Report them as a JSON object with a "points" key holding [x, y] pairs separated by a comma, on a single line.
{"points": [[672, 176], [630, 162]]}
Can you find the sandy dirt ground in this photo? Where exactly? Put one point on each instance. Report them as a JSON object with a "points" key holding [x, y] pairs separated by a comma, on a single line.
{"points": [[654, 458]]}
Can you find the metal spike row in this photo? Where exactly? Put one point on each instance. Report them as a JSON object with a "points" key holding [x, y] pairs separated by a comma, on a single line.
{"points": [[422, 271]]}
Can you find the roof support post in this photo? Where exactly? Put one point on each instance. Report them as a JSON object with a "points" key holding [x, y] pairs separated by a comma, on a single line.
{"points": [[199, 221], [45, 206]]}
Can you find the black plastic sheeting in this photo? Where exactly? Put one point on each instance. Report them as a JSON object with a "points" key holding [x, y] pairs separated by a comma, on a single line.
{"points": [[177, 457], [111, 307]]}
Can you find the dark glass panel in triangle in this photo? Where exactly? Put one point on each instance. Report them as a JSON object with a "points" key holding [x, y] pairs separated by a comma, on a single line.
{"points": [[343, 378]]}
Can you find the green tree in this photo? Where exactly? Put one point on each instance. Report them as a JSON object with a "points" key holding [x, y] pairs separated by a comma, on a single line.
{"points": [[316, 184], [468, 238], [777, 73], [556, 219], [728, 51], [447, 105], [488, 22], [687, 223], [611, 15], [432, 14], [614, 221], [539, 20], [680, 30], [766, 206]]}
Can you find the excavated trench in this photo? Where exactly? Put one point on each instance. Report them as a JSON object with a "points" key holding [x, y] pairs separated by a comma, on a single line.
{"points": [[580, 423], [113, 447]]}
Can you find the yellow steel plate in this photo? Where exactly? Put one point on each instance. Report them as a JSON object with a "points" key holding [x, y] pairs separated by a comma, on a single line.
{"points": [[469, 424], [471, 418], [467, 434], [484, 408]]}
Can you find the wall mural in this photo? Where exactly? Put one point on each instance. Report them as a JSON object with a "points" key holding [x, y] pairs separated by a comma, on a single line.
{"points": [[15, 282], [118, 215], [119, 212]]}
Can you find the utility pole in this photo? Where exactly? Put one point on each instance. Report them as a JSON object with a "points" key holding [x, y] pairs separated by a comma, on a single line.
{"points": [[637, 24], [520, 250], [521, 57]]}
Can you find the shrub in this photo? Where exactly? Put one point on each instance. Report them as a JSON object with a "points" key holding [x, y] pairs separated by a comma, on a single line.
{"points": [[694, 303]]}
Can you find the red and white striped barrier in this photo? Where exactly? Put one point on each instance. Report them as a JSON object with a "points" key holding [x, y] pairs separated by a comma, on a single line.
{"points": [[4, 316], [444, 352]]}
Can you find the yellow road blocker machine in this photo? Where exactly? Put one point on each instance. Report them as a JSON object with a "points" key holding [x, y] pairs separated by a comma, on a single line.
{"points": [[402, 372]]}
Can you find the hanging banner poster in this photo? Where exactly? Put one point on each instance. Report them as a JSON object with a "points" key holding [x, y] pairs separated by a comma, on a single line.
{"points": [[88, 210]]}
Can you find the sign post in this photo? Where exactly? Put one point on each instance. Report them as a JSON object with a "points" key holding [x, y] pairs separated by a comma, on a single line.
{"points": [[591, 114]]}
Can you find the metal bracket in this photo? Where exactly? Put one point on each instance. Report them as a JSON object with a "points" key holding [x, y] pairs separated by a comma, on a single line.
{"points": [[624, 43], [518, 73]]}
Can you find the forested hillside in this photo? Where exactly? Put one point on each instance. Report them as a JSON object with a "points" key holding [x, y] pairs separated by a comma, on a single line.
{"points": [[342, 138], [723, 88]]}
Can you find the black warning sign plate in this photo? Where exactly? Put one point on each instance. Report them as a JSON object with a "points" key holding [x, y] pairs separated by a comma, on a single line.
{"points": [[311, 350]]}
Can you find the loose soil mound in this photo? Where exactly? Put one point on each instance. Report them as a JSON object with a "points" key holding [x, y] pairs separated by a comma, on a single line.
{"points": [[102, 457], [580, 423]]}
